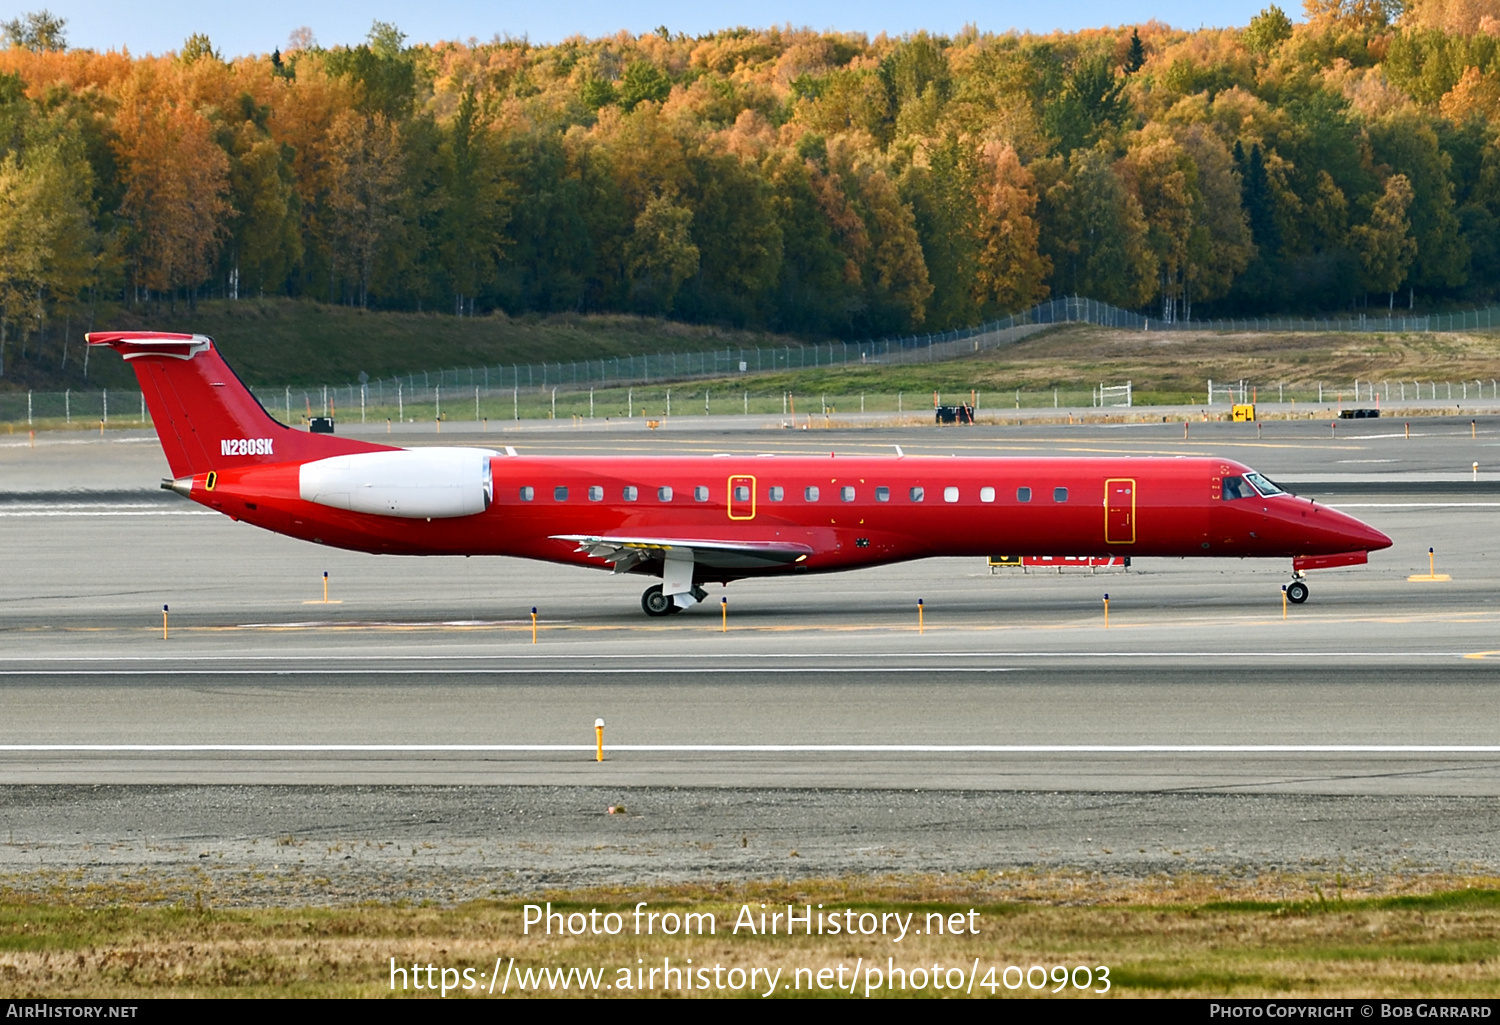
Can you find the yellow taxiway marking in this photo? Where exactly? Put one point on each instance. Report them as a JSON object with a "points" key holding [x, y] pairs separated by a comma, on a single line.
{"points": [[1428, 577], [1084, 623], [321, 601]]}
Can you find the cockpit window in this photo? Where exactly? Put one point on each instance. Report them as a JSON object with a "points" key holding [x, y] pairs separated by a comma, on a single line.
{"points": [[1237, 487], [1262, 485]]}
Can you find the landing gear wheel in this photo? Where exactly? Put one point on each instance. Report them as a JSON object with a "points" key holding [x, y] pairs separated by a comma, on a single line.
{"points": [[657, 604], [1296, 592]]}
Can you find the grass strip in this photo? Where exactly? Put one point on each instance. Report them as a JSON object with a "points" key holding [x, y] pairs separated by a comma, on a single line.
{"points": [[1269, 936]]}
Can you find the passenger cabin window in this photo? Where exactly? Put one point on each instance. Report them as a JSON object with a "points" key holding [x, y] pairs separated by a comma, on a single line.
{"points": [[810, 494], [882, 494], [1237, 487], [1059, 494], [986, 494], [631, 493], [700, 494], [776, 493], [950, 494], [560, 493], [1023, 494], [917, 494], [1262, 485], [663, 494], [741, 493], [846, 493], [596, 493], [528, 493]]}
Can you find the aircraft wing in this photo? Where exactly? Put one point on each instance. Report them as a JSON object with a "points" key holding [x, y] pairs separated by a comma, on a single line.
{"points": [[625, 553]]}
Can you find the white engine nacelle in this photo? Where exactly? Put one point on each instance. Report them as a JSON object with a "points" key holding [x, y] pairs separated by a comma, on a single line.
{"points": [[418, 484]]}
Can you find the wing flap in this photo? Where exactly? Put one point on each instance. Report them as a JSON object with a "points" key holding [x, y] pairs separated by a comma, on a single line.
{"points": [[625, 553]]}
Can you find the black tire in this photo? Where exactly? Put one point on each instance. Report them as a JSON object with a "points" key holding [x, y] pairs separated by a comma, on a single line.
{"points": [[1296, 592], [654, 603]]}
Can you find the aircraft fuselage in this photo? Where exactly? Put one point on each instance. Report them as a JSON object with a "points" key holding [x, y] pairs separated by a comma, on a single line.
{"points": [[848, 511]]}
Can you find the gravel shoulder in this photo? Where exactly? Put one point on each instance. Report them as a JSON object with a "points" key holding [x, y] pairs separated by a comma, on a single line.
{"points": [[291, 846]]}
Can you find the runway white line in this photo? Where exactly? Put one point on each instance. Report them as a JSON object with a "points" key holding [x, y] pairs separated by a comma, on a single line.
{"points": [[50, 513], [575, 658], [772, 748], [528, 671], [47, 442]]}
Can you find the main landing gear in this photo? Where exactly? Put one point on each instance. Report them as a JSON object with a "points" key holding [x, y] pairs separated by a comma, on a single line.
{"points": [[1296, 592], [655, 603]]}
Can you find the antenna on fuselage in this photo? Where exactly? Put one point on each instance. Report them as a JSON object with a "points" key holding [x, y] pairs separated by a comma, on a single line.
{"points": [[899, 454]]}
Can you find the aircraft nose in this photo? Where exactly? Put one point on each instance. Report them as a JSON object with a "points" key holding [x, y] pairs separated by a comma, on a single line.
{"points": [[1361, 535]]}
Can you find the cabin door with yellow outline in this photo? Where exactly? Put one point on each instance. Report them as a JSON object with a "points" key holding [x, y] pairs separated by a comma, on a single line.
{"points": [[1119, 511], [742, 497]]}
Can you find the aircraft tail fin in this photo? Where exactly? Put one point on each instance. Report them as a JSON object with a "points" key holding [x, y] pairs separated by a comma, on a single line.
{"points": [[204, 415]]}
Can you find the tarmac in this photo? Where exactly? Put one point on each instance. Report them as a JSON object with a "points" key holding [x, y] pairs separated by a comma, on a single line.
{"points": [[1200, 731]]}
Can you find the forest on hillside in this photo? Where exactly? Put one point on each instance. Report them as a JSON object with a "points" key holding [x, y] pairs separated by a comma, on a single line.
{"points": [[817, 183]]}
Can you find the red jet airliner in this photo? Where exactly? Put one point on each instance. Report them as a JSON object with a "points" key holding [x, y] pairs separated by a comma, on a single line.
{"points": [[692, 520]]}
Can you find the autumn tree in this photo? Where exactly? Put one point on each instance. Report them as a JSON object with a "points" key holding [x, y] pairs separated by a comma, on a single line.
{"points": [[176, 182], [264, 240], [474, 202], [1361, 13], [1012, 273], [1163, 180], [48, 245], [1095, 233], [364, 162], [1268, 30], [1411, 149], [1385, 245], [945, 195], [1220, 245]]}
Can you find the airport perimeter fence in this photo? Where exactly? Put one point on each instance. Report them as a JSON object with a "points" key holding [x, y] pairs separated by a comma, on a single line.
{"points": [[641, 385]]}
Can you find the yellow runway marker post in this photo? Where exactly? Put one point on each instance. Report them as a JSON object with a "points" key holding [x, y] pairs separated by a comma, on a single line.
{"points": [[598, 740], [919, 616], [1431, 573], [163, 622], [724, 606], [325, 601], [1106, 612], [1283, 601], [533, 624]]}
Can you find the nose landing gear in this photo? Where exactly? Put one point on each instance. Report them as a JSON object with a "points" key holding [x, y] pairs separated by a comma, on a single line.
{"points": [[1296, 592]]}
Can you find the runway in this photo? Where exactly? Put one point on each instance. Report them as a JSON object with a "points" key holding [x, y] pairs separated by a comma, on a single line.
{"points": [[422, 673], [1354, 725]]}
